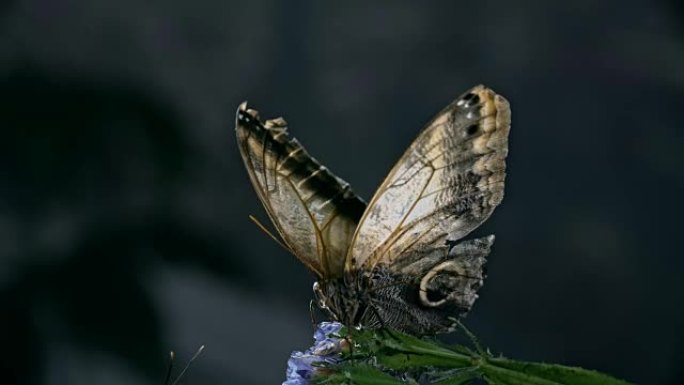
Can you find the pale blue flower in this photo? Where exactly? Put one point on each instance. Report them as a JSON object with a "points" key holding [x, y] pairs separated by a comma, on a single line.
{"points": [[326, 349]]}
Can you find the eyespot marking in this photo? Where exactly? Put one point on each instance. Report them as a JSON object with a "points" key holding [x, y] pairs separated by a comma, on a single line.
{"points": [[472, 129], [471, 99]]}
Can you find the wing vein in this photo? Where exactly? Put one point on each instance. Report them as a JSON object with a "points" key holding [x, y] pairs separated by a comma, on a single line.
{"points": [[384, 247]]}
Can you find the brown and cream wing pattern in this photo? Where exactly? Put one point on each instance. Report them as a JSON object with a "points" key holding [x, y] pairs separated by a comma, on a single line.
{"points": [[445, 185], [314, 211]]}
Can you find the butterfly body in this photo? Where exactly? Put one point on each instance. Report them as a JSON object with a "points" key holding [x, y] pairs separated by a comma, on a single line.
{"points": [[381, 299], [448, 278], [401, 261]]}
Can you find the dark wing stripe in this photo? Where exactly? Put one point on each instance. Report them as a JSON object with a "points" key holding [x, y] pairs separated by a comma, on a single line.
{"points": [[314, 211]]}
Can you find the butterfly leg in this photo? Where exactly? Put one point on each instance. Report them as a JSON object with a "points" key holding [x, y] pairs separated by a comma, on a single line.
{"points": [[313, 316], [472, 337], [383, 325]]}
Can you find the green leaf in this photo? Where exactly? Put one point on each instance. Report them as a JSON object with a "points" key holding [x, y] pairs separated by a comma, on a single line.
{"points": [[377, 353], [460, 376], [505, 371], [401, 351], [357, 374]]}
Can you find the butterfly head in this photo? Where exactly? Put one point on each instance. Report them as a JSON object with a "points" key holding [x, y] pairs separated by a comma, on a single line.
{"points": [[342, 299], [328, 295], [321, 298]]}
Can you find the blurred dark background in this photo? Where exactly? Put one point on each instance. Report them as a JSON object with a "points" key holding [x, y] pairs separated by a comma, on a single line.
{"points": [[124, 206]]}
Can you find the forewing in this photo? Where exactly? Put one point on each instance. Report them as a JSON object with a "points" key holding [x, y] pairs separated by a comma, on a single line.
{"points": [[445, 185], [314, 211]]}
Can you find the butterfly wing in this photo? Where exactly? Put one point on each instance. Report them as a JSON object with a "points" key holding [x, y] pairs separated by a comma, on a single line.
{"points": [[428, 289], [314, 211], [445, 185]]}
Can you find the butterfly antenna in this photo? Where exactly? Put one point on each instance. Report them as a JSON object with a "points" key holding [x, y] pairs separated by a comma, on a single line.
{"points": [[172, 356], [187, 366], [265, 230]]}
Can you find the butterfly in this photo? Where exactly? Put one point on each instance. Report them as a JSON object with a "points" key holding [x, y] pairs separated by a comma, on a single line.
{"points": [[399, 261]]}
